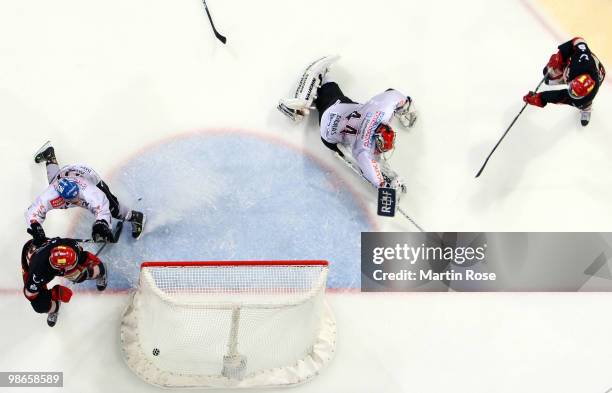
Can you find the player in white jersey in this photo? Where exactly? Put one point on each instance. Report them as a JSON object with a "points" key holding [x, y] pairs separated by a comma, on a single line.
{"points": [[362, 129], [78, 186]]}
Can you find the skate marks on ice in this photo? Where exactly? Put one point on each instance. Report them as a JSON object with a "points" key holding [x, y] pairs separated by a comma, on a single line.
{"points": [[232, 195]]}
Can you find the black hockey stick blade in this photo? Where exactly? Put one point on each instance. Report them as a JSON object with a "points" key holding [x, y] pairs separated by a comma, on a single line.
{"points": [[219, 36], [118, 231], [212, 24], [506, 132]]}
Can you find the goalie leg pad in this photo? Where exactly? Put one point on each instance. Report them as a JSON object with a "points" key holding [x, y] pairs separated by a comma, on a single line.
{"points": [[300, 104], [313, 78]]}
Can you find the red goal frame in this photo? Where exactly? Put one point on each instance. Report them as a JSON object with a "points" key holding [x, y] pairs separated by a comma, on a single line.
{"points": [[233, 263]]}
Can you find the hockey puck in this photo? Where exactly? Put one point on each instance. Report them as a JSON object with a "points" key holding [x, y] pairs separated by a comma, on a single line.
{"points": [[155, 351]]}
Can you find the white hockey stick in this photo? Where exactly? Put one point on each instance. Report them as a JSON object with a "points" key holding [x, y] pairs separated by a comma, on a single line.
{"points": [[351, 165]]}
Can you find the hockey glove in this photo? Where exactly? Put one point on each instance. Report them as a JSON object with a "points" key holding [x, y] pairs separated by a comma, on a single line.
{"points": [[101, 232], [38, 234], [556, 61], [406, 114], [553, 72], [392, 180], [534, 99], [398, 185], [61, 293]]}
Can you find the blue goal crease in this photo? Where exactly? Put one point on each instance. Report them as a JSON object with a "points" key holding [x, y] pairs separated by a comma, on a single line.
{"points": [[233, 197]]}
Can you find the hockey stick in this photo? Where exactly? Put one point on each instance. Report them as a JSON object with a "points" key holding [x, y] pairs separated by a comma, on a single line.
{"points": [[217, 34], [118, 230], [86, 241], [116, 235], [350, 164], [507, 130]]}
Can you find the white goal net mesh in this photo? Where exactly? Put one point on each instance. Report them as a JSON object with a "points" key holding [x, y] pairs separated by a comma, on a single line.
{"points": [[229, 324]]}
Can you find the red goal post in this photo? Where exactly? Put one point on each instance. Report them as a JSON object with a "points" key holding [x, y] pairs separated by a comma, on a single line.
{"points": [[229, 323]]}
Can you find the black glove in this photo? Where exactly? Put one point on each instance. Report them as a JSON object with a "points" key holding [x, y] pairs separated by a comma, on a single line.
{"points": [[38, 234], [101, 232]]}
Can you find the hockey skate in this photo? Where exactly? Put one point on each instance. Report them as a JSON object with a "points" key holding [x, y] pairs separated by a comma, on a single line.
{"points": [[585, 118], [45, 153], [138, 220], [102, 280], [52, 316], [301, 103]]}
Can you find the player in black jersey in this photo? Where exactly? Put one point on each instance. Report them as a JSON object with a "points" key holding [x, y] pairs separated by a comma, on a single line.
{"points": [[57, 258], [575, 65]]}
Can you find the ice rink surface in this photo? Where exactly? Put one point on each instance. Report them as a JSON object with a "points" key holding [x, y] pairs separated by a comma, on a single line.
{"points": [[142, 91]]}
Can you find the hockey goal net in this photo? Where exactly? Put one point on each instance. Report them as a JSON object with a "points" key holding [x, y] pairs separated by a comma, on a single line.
{"points": [[229, 324]]}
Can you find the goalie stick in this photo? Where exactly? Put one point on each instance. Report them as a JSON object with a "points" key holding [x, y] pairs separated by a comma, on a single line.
{"points": [[217, 34], [350, 164], [507, 130]]}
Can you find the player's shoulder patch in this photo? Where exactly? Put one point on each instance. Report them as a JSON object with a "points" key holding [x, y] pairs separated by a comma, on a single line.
{"points": [[332, 124], [57, 202], [83, 184]]}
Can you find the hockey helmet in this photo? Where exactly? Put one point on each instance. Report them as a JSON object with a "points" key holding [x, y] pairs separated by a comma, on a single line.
{"points": [[385, 138], [67, 188], [63, 258], [581, 86]]}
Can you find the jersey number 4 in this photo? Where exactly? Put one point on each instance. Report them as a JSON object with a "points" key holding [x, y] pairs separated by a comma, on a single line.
{"points": [[349, 129]]}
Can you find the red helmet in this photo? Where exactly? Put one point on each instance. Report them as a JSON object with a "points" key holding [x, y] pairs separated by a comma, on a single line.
{"points": [[63, 258], [581, 86], [385, 138]]}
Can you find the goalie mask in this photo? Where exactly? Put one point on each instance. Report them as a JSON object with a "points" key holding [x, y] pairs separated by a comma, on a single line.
{"points": [[63, 258], [581, 86], [385, 138]]}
